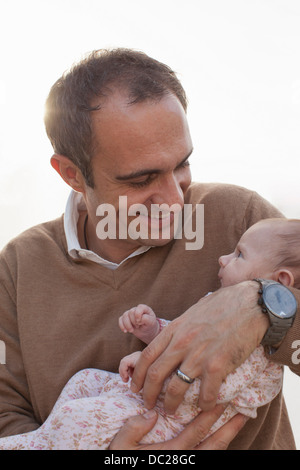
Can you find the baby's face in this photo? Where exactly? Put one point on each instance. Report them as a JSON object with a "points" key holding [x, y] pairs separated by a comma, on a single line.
{"points": [[251, 258]]}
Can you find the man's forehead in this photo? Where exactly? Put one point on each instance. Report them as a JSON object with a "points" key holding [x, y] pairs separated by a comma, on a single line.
{"points": [[119, 100], [143, 130]]}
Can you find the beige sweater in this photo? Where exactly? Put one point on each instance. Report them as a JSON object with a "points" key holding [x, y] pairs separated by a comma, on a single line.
{"points": [[58, 315]]}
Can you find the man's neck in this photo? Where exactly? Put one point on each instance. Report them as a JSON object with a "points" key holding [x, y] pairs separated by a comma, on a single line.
{"points": [[111, 250]]}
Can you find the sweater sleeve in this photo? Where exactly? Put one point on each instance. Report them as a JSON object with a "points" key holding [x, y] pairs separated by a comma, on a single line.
{"points": [[16, 414], [259, 208]]}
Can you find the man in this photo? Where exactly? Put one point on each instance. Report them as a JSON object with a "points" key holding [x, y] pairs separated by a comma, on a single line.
{"points": [[117, 123]]}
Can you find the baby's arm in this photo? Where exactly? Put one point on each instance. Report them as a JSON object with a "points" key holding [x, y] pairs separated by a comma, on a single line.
{"points": [[127, 365], [140, 321]]}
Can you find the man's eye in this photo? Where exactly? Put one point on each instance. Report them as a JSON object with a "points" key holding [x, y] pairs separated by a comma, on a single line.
{"points": [[185, 164], [141, 184]]}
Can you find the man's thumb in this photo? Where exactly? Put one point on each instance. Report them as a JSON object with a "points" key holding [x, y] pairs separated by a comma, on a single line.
{"points": [[133, 431]]}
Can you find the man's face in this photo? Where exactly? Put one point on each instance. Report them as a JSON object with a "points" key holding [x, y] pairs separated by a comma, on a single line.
{"points": [[141, 152]]}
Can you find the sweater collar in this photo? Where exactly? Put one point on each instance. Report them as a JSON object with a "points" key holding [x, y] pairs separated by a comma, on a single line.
{"points": [[75, 203]]}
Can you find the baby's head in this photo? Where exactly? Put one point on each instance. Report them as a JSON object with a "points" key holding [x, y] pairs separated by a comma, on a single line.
{"points": [[270, 249]]}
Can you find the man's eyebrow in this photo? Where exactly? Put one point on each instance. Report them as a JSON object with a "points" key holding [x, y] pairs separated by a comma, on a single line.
{"points": [[149, 171]]}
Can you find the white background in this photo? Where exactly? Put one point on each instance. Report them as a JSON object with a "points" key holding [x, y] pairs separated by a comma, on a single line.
{"points": [[239, 61]]}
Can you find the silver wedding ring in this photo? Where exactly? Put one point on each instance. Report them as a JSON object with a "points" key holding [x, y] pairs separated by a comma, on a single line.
{"points": [[184, 377]]}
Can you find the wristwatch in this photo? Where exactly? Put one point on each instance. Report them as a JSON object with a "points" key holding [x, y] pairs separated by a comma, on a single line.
{"points": [[279, 303]]}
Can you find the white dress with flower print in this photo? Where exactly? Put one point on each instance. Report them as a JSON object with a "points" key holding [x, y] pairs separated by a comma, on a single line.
{"points": [[95, 404]]}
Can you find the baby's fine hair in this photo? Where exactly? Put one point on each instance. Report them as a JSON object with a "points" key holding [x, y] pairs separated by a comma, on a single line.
{"points": [[287, 231]]}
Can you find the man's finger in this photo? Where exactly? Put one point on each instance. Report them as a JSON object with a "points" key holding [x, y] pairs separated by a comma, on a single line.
{"points": [[197, 430], [221, 439], [175, 392], [133, 431], [137, 427], [148, 358], [215, 370], [209, 389]]}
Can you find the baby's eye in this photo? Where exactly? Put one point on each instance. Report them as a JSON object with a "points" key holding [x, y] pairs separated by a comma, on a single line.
{"points": [[240, 255]]}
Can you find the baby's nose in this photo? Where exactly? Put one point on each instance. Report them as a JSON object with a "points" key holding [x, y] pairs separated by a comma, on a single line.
{"points": [[223, 260]]}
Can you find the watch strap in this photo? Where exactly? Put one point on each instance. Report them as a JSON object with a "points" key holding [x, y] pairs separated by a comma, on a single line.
{"points": [[276, 332]]}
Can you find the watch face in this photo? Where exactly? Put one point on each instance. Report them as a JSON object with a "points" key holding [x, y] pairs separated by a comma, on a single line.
{"points": [[280, 301]]}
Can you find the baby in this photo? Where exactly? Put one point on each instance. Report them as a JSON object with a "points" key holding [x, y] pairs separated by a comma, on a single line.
{"points": [[270, 249], [95, 404]]}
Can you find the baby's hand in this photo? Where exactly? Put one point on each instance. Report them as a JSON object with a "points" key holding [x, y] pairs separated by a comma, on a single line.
{"points": [[140, 321], [127, 365]]}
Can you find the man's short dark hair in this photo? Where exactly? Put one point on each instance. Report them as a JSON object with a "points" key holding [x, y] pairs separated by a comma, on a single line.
{"points": [[71, 99]]}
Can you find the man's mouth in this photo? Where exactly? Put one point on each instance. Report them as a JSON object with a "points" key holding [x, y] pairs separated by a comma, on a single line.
{"points": [[160, 215], [156, 216], [157, 220]]}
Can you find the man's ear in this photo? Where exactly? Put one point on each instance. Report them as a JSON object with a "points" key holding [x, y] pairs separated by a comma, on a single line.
{"points": [[69, 172], [285, 277]]}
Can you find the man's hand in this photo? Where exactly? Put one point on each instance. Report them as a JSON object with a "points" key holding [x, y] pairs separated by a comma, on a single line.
{"points": [[209, 340], [137, 427]]}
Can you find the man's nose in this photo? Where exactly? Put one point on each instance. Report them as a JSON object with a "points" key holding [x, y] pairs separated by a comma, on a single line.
{"points": [[171, 192]]}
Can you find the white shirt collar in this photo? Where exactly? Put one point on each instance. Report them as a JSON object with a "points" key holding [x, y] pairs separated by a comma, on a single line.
{"points": [[75, 203]]}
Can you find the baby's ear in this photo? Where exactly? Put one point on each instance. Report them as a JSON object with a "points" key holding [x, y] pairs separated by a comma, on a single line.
{"points": [[285, 277]]}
